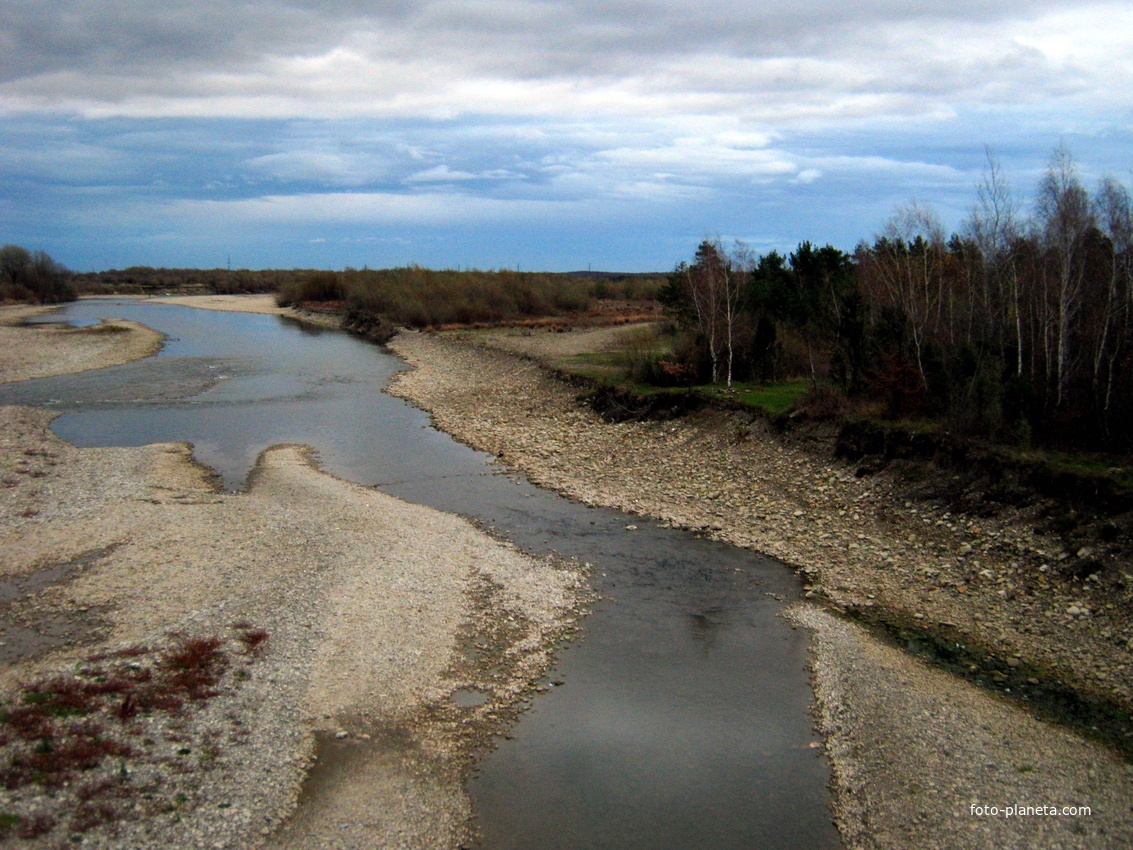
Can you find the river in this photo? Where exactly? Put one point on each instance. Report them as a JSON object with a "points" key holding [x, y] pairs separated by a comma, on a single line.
{"points": [[682, 720]]}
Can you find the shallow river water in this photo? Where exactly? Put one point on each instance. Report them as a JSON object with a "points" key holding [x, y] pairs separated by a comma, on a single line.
{"points": [[682, 720]]}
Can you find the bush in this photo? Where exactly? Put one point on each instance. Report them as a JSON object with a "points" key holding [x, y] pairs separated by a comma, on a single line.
{"points": [[823, 402], [33, 276], [314, 286], [419, 297]]}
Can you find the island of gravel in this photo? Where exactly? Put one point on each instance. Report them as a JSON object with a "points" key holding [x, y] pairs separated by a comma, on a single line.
{"points": [[914, 750], [188, 667]]}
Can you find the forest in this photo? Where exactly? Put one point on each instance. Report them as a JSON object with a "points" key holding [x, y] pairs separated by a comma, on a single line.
{"points": [[1016, 328]]}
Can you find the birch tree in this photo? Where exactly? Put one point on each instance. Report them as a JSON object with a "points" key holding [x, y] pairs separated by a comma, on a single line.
{"points": [[994, 228], [1064, 219], [715, 288], [1114, 214], [907, 265]]}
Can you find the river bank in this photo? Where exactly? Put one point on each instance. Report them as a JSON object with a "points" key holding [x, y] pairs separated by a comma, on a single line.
{"points": [[225, 651], [912, 748], [55, 350], [263, 303]]}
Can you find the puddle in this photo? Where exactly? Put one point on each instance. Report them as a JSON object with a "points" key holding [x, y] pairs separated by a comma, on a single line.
{"points": [[470, 698], [26, 632]]}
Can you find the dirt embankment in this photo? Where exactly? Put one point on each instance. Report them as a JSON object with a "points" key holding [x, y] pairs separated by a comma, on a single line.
{"points": [[912, 748], [175, 656]]}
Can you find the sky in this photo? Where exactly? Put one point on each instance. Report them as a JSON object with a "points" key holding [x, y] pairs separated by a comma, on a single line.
{"points": [[549, 135]]}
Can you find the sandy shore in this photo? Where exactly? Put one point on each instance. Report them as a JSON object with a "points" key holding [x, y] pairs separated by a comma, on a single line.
{"points": [[62, 350], [326, 625], [262, 303], [912, 748]]}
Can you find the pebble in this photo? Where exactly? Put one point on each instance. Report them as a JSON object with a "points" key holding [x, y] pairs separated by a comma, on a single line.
{"points": [[1018, 602]]}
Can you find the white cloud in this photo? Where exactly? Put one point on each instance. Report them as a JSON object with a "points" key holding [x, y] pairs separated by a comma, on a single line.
{"points": [[478, 111], [374, 208], [439, 174], [316, 167]]}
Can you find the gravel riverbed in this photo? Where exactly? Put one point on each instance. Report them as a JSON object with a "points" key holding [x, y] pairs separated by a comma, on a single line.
{"points": [[189, 667], [344, 621], [859, 544]]}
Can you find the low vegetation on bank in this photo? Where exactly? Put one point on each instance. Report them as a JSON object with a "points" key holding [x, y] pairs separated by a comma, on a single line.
{"points": [[417, 297], [87, 750]]}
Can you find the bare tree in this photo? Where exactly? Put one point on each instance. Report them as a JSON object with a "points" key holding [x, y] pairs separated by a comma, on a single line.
{"points": [[994, 228], [715, 286], [1065, 217], [907, 261], [704, 281], [737, 266], [1114, 214], [15, 261]]}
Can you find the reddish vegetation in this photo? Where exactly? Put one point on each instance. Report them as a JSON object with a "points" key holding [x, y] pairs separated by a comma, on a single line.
{"points": [[57, 728], [194, 667], [253, 640], [601, 314]]}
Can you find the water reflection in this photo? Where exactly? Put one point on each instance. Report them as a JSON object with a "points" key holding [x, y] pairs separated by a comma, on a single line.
{"points": [[683, 721], [704, 625]]}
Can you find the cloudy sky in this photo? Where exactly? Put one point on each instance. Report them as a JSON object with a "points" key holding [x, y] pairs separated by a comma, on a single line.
{"points": [[538, 134]]}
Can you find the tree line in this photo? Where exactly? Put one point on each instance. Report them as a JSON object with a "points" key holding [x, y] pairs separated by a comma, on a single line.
{"points": [[147, 280], [1017, 327], [33, 276]]}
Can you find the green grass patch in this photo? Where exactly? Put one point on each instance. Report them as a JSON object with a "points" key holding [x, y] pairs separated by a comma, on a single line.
{"points": [[1116, 468], [603, 373], [771, 397]]}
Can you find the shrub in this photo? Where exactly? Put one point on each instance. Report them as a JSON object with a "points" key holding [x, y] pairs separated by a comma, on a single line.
{"points": [[33, 276]]}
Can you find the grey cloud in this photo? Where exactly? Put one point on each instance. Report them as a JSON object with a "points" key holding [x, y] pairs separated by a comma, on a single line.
{"points": [[561, 103], [136, 36], [131, 37]]}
